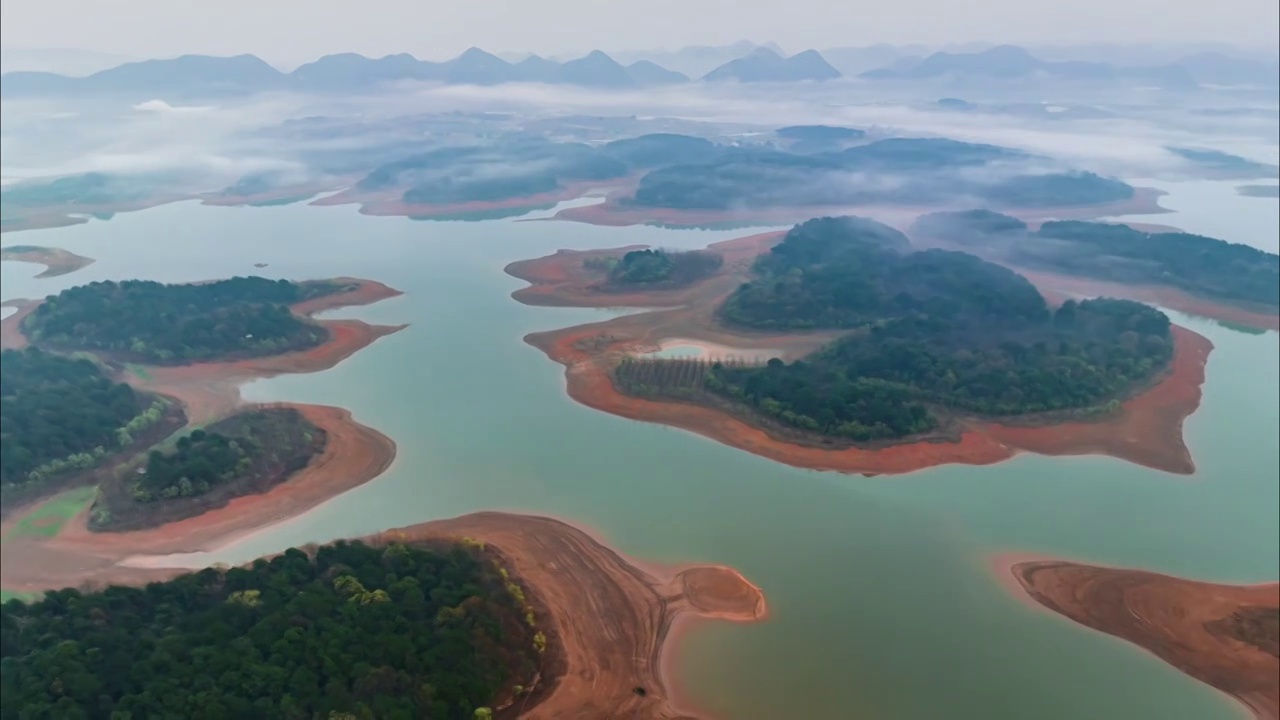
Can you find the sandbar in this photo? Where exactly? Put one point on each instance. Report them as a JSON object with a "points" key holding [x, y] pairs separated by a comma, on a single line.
{"points": [[1227, 636], [56, 261], [1146, 430]]}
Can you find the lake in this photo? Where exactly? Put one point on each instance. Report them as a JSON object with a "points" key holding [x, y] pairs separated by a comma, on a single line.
{"points": [[883, 598]]}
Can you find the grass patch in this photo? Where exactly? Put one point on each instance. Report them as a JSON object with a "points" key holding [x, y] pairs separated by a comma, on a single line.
{"points": [[7, 595], [139, 371], [47, 519]]}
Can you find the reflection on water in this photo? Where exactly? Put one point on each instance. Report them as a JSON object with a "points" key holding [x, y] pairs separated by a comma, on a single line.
{"points": [[884, 603]]}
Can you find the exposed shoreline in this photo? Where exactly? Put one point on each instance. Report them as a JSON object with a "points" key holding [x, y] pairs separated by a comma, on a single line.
{"points": [[354, 455], [1218, 634], [1146, 430], [615, 623], [56, 261]]}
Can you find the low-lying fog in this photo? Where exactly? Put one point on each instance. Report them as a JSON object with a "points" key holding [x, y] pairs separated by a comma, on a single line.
{"points": [[1119, 134]]}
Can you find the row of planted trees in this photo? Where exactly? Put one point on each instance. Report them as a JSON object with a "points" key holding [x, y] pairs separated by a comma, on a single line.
{"points": [[672, 377]]}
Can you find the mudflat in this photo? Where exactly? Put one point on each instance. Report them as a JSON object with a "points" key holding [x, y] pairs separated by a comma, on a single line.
{"points": [[1227, 636]]}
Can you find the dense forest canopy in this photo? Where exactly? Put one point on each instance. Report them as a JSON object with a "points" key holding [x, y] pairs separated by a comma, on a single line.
{"points": [[514, 167], [395, 633], [263, 442], [894, 171], [658, 149], [1201, 265], [53, 408], [657, 267], [179, 323], [933, 330]]}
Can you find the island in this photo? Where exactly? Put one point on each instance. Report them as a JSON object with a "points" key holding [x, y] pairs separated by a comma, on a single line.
{"points": [[939, 333], [1227, 636], [56, 261], [653, 269], [249, 452], [73, 199], [494, 614], [842, 347], [1259, 191], [147, 321], [510, 177], [299, 455], [817, 173], [1227, 281], [65, 420]]}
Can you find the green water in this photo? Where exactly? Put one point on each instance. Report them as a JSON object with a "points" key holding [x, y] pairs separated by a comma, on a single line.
{"points": [[884, 603]]}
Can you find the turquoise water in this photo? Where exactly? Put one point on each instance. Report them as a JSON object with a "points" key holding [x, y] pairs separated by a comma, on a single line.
{"points": [[883, 598]]}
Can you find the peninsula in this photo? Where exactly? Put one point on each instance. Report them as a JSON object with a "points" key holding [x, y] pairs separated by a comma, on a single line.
{"points": [[56, 261], [1227, 636], [1226, 281], [583, 632]]}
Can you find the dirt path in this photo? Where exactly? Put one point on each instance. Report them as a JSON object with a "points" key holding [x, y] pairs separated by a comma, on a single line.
{"points": [[56, 261], [1227, 636], [1147, 430]]}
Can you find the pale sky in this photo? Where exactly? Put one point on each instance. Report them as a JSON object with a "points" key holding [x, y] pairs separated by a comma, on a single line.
{"points": [[291, 31]]}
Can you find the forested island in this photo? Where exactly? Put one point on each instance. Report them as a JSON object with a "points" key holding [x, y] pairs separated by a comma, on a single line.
{"points": [[911, 171], [343, 632], [249, 452], [932, 334], [60, 416], [654, 268], [512, 168], [147, 321], [1204, 266]]}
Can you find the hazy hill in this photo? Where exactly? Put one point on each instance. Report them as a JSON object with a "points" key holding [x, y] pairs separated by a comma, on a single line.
{"points": [[197, 75], [695, 60], [765, 65], [188, 75], [1010, 62]]}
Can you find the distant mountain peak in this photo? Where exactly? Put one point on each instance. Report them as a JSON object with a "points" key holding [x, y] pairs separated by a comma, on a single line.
{"points": [[765, 65]]}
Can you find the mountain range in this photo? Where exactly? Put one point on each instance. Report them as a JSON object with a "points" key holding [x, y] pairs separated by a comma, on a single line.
{"points": [[1010, 62], [766, 65], [203, 75]]}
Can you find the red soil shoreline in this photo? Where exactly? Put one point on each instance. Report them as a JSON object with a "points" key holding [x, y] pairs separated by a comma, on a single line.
{"points": [[615, 623], [1214, 633], [354, 454], [56, 261], [1146, 430]]}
